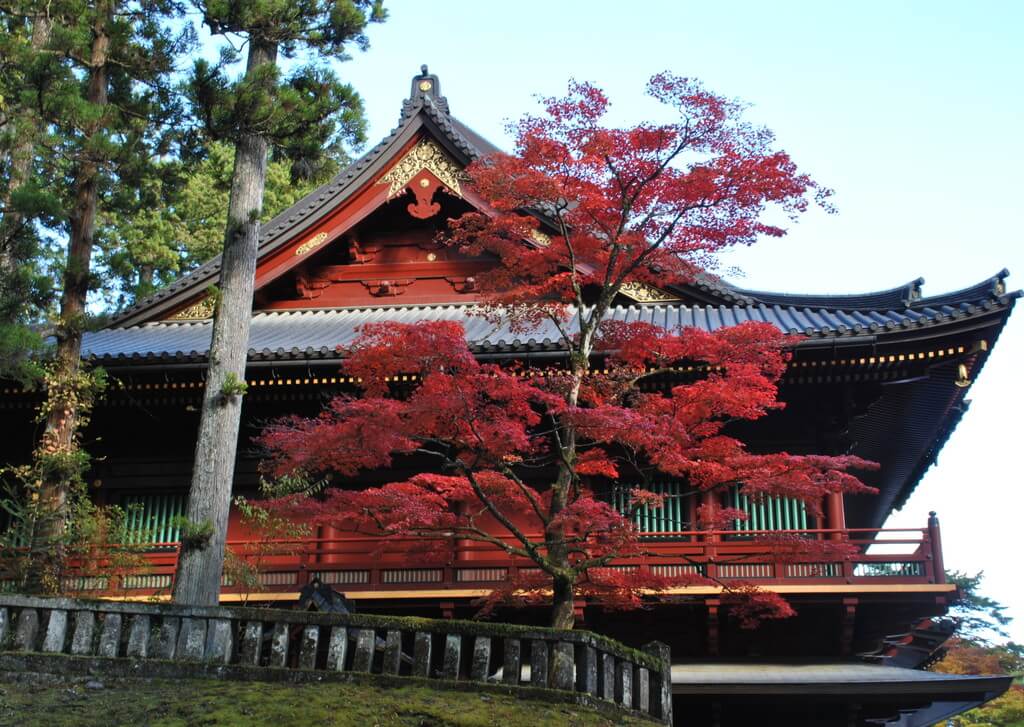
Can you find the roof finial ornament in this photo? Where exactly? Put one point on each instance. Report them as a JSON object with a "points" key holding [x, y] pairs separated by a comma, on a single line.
{"points": [[426, 85]]}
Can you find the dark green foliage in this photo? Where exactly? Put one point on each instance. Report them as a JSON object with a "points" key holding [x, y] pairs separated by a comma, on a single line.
{"points": [[181, 215], [982, 620], [306, 116]]}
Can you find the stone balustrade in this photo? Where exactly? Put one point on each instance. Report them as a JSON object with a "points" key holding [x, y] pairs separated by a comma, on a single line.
{"points": [[592, 667]]}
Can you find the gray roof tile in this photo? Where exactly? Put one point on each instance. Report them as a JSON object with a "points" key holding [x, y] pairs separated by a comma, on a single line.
{"points": [[318, 333]]}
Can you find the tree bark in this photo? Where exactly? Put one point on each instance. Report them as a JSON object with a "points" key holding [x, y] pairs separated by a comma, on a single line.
{"points": [[59, 438], [201, 561], [27, 126], [563, 605]]}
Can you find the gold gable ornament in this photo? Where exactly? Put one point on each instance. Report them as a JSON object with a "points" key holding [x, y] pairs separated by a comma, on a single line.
{"points": [[199, 311], [311, 244], [425, 155], [644, 293]]}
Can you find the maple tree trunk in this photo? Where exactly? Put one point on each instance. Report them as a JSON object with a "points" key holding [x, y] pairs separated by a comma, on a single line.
{"points": [[201, 559], [20, 159], [563, 605], [58, 444]]}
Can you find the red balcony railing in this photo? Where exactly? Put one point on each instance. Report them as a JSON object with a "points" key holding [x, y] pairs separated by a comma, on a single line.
{"points": [[400, 566]]}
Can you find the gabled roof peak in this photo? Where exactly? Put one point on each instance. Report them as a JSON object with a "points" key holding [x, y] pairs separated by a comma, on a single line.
{"points": [[426, 85]]}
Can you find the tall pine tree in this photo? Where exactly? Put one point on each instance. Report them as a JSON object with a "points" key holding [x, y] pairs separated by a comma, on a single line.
{"points": [[23, 293], [100, 92], [297, 117]]}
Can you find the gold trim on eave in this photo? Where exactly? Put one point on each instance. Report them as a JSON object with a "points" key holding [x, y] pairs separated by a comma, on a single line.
{"points": [[311, 244], [197, 311], [425, 155], [644, 293]]}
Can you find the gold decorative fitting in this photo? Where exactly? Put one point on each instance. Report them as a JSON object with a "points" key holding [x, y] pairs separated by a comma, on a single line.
{"points": [[541, 238], [426, 85], [644, 293], [197, 311], [425, 155], [311, 244], [962, 378]]}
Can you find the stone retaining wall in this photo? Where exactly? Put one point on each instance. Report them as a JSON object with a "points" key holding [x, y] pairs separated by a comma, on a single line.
{"points": [[272, 640]]}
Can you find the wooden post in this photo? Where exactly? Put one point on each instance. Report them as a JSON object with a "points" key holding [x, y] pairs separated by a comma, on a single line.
{"points": [[935, 536], [713, 604], [836, 514], [849, 622]]}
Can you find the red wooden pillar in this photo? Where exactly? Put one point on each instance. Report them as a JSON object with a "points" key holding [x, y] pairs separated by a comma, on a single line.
{"points": [[835, 514], [935, 538], [849, 622], [707, 499]]}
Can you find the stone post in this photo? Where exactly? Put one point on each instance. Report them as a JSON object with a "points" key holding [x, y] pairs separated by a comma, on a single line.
{"points": [[56, 632], [366, 642], [220, 641], [27, 631], [642, 689], [421, 654], [586, 669], [452, 656], [81, 639], [110, 636], [562, 666], [392, 662], [479, 671], [539, 663], [624, 683], [252, 643], [512, 669], [337, 648], [279, 645], [191, 639], [166, 643], [661, 683], [4, 627], [308, 647], [138, 636], [608, 677]]}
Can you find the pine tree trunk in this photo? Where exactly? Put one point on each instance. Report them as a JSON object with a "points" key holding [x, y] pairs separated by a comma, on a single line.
{"points": [[26, 126], [201, 561], [59, 437]]}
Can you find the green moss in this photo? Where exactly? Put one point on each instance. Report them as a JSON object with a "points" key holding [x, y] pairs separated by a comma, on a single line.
{"points": [[172, 703]]}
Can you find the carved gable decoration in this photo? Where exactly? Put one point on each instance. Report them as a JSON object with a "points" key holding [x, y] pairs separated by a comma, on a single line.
{"points": [[197, 311], [644, 293], [427, 156]]}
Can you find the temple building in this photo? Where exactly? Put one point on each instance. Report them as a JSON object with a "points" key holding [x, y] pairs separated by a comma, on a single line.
{"points": [[881, 375]]}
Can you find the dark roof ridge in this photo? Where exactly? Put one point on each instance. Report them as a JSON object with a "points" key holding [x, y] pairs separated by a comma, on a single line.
{"points": [[993, 287], [901, 296]]}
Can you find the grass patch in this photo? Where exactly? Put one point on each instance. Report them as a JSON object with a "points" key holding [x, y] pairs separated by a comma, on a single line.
{"points": [[28, 701]]}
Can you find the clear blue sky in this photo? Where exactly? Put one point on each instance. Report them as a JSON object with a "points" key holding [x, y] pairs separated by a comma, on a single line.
{"points": [[912, 111]]}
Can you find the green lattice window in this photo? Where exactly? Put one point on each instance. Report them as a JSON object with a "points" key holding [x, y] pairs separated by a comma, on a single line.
{"points": [[768, 513], [673, 517], [150, 517]]}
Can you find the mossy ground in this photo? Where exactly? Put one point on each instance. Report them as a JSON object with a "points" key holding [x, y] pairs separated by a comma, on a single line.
{"points": [[31, 702]]}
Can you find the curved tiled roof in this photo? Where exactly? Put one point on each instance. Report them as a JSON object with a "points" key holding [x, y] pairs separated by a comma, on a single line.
{"points": [[278, 335]]}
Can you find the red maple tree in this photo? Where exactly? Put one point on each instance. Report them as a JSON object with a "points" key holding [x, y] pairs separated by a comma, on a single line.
{"points": [[514, 457]]}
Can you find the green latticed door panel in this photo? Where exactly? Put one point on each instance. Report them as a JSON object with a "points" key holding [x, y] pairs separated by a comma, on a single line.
{"points": [[768, 513], [150, 518], [672, 517]]}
